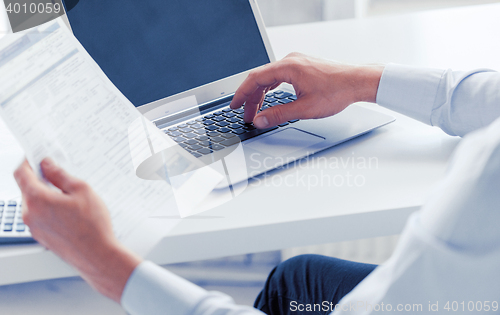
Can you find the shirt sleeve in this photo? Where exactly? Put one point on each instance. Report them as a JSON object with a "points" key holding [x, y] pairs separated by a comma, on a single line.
{"points": [[458, 102], [152, 290], [449, 250]]}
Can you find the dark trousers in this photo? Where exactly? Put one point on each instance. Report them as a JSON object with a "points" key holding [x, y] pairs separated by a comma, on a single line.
{"points": [[307, 280]]}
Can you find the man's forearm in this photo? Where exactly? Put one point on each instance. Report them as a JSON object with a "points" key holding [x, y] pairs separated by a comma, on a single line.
{"points": [[367, 79], [108, 269]]}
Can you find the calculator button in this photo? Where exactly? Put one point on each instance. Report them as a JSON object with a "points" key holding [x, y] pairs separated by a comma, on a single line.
{"points": [[8, 220], [217, 147], [239, 131], [202, 138], [285, 101], [214, 134], [205, 151], [174, 133], [197, 126], [217, 139], [205, 143], [190, 135], [222, 124], [282, 94], [180, 139], [228, 135], [200, 131], [195, 147]]}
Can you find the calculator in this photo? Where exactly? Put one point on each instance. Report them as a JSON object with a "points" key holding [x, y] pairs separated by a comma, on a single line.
{"points": [[12, 227]]}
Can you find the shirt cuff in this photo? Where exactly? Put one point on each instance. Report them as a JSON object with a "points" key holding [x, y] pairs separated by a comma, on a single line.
{"points": [[152, 289], [409, 90]]}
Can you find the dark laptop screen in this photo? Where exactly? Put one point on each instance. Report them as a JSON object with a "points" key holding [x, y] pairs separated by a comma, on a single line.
{"points": [[151, 49]]}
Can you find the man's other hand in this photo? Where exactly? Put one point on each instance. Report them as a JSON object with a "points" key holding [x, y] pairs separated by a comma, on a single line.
{"points": [[323, 88], [74, 223]]}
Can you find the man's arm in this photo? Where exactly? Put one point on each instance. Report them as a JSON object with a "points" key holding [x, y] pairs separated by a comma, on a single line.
{"points": [[457, 102], [74, 223], [153, 290], [450, 248]]}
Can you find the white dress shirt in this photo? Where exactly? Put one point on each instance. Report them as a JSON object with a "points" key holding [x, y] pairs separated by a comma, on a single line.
{"points": [[449, 253]]}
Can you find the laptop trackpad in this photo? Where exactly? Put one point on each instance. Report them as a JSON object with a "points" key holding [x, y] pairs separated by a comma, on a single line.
{"points": [[284, 142]]}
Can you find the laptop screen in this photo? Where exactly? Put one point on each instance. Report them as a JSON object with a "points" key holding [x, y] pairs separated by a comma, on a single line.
{"points": [[152, 49]]}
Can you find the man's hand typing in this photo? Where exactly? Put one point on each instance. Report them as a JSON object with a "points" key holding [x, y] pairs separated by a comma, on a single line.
{"points": [[323, 89]]}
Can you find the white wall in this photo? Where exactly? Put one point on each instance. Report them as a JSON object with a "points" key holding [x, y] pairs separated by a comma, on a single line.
{"points": [[282, 12]]}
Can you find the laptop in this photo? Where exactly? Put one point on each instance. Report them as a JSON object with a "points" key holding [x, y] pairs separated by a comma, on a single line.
{"points": [[180, 62]]}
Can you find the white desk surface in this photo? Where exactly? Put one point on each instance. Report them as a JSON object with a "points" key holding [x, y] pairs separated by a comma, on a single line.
{"points": [[411, 156]]}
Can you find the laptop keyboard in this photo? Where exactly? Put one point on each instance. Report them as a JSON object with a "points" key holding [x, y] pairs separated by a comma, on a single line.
{"points": [[201, 136], [223, 128], [12, 227]]}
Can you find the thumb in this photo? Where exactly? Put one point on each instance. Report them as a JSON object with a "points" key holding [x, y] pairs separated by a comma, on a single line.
{"points": [[59, 177], [280, 114]]}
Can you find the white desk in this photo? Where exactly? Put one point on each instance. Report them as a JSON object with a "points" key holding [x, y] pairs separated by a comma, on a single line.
{"points": [[411, 156]]}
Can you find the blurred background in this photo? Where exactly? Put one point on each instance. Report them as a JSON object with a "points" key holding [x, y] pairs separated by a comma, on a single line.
{"points": [[283, 12], [243, 276]]}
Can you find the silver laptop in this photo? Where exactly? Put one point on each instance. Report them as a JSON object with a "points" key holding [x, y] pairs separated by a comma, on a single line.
{"points": [[180, 63]]}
